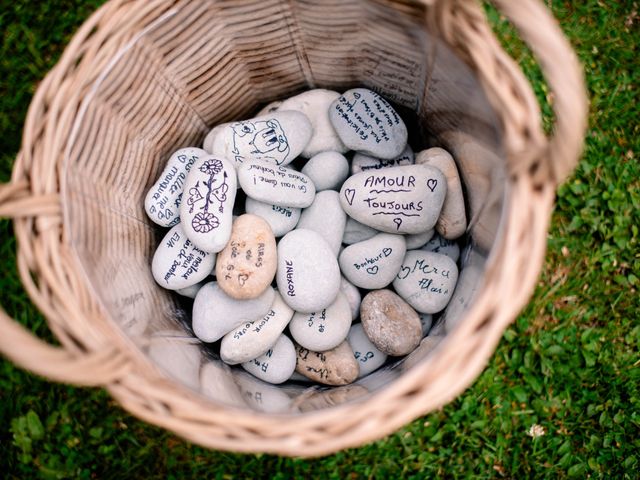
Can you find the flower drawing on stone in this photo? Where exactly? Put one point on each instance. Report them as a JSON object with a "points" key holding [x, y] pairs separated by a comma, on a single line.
{"points": [[204, 222], [211, 167], [194, 196], [264, 139]]}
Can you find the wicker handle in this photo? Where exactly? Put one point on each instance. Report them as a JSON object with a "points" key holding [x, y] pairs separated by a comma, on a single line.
{"points": [[25, 349]]}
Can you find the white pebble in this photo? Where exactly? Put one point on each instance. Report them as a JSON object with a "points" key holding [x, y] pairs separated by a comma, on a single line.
{"points": [[281, 219], [418, 240], [327, 170], [353, 296], [276, 365], [326, 217], [374, 263], [364, 163], [355, 232], [368, 356]]}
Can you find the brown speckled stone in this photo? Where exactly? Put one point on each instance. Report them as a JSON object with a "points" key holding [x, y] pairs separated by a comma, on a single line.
{"points": [[333, 367]]}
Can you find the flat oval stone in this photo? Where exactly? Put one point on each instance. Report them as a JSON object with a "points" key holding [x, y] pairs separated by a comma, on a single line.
{"points": [[452, 222], [247, 265], [355, 232], [276, 138], [326, 217], [353, 296], [405, 199], [325, 329], [252, 339], [327, 170], [207, 203], [281, 219], [367, 123], [215, 313], [364, 163], [441, 245], [315, 105], [365, 352], [308, 275], [333, 367], [162, 202], [426, 280], [281, 186], [427, 345], [276, 365], [418, 240], [390, 323], [178, 263], [374, 263]]}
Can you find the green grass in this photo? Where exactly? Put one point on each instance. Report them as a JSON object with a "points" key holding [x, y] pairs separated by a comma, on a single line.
{"points": [[570, 362]]}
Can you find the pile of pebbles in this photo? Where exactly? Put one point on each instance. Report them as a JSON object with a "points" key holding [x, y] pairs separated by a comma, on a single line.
{"points": [[367, 245]]}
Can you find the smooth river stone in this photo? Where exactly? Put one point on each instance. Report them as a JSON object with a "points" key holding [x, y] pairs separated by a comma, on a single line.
{"points": [[374, 263], [365, 163], [452, 222], [390, 323], [308, 274], [326, 217], [426, 280], [215, 313], [252, 339], [325, 329], [439, 244], [315, 104], [355, 232], [276, 365], [281, 186], [178, 263], [207, 203], [162, 202], [327, 170], [353, 296], [207, 144], [276, 138], [333, 367], [365, 352], [405, 199], [418, 240], [365, 122], [281, 219], [247, 265]]}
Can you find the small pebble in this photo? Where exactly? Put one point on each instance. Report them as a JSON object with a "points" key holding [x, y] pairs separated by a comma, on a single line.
{"points": [[355, 232], [405, 199], [353, 296], [276, 365], [364, 163], [281, 186], [439, 244], [333, 367], [426, 280], [207, 203], [427, 345], [365, 352], [365, 122], [374, 263], [261, 396], [162, 202], [326, 217], [390, 323], [325, 329], [308, 274], [215, 313], [281, 219], [327, 170], [247, 265], [178, 263], [418, 240]]}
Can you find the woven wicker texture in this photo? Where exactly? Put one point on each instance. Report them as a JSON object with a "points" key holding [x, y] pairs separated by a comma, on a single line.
{"points": [[140, 79]]}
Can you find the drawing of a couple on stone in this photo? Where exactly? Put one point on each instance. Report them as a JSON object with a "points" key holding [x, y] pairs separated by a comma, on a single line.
{"points": [[260, 139]]}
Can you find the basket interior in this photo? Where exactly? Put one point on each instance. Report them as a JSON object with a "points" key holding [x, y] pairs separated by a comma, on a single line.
{"points": [[202, 63]]}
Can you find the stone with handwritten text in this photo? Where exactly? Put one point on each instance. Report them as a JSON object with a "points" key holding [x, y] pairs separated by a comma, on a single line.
{"points": [[333, 367], [275, 365], [374, 263], [327, 170], [326, 217], [281, 219], [418, 240], [365, 163], [367, 355], [439, 244]]}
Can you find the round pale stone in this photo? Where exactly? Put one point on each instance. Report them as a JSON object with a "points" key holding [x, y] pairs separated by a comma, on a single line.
{"points": [[215, 313], [364, 163], [439, 244], [333, 367], [374, 263], [276, 365], [365, 352], [452, 222], [162, 202], [353, 296], [247, 265], [355, 232], [252, 339], [178, 263], [365, 122], [207, 203], [327, 170], [281, 219], [426, 280], [390, 323], [326, 217], [325, 329], [308, 275], [418, 240], [405, 199]]}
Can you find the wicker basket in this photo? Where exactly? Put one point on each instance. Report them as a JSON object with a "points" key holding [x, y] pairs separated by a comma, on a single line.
{"points": [[141, 79]]}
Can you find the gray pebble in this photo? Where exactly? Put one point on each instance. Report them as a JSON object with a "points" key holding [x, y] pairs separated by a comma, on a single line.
{"points": [[418, 240], [353, 296], [355, 232], [327, 170], [276, 365], [368, 356], [441, 245], [281, 219], [326, 217]]}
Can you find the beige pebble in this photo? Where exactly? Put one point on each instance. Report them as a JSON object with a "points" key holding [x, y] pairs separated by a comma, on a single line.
{"points": [[247, 265], [333, 367], [390, 322]]}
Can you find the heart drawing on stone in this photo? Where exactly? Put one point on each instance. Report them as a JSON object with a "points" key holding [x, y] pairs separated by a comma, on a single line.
{"points": [[372, 270], [432, 183], [349, 193]]}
